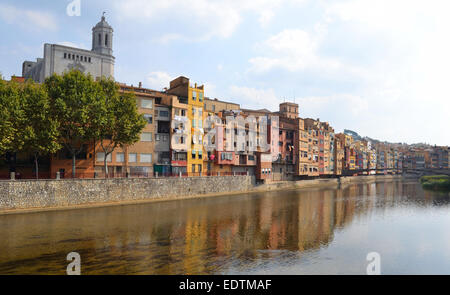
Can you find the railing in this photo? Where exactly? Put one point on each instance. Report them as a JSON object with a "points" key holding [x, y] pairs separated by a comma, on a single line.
{"points": [[102, 175]]}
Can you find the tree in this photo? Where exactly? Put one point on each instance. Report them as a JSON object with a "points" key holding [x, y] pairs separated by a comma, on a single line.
{"points": [[73, 99], [117, 122], [41, 129], [6, 128], [12, 117]]}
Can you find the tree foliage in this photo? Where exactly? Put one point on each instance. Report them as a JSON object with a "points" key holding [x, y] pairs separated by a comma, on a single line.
{"points": [[41, 129], [69, 110], [117, 122], [12, 117], [73, 101]]}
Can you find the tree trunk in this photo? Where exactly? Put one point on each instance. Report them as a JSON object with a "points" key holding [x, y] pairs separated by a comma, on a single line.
{"points": [[36, 165], [106, 165], [73, 165]]}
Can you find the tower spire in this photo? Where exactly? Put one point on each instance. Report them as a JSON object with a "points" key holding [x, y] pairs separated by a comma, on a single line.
{"points": [[102, 37]]}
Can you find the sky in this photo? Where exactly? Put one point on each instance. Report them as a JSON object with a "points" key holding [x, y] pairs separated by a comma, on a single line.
{"points": [[380, 68]]}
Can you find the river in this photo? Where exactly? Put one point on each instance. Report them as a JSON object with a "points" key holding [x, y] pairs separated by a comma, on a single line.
{"points": [[308, 231]]}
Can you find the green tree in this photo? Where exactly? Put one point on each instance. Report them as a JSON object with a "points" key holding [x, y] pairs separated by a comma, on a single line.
{"points": [[41, 129], [117, 122], [73, 99], [12, 117]]}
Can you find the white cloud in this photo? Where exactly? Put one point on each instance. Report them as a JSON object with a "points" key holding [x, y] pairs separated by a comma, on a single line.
{"points": [[199, 20], [210, 89], [298, 50], [400, 76], [29, 19], [255, 98], [159, 80], [167, 38], [357, 105]]}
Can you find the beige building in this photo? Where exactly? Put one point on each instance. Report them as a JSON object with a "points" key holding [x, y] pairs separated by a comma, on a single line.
{"points": [[137, 159]]}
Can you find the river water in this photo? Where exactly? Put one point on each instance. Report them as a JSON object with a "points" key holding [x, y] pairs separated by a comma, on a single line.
{"points": [[309, 231]]}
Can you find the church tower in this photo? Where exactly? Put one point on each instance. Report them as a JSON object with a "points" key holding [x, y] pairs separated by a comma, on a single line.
{"points": [[102, 37]]}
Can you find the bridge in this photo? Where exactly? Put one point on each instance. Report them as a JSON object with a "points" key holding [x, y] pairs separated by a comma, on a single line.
{"points": [[428, 171], [416, 171]]}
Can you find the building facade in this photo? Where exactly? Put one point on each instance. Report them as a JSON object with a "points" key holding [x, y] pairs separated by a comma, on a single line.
{"points": [[99, 62]]}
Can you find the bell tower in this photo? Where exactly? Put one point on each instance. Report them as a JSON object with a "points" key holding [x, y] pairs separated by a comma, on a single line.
{"points": [[102, 37]]}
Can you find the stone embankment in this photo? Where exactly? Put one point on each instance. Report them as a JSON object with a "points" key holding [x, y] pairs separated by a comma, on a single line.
{"points": [[38, 195]]}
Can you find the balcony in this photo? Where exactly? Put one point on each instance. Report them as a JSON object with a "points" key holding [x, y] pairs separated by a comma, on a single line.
{"points": [[224, 158], [179, 159]]}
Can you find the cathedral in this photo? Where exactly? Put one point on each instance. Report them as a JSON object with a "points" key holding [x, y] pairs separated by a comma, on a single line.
{"points": [[59, 58]]}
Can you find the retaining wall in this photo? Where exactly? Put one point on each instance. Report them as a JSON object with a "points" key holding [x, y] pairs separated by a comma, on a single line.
{"points": [[29, 194], [34, 195]]}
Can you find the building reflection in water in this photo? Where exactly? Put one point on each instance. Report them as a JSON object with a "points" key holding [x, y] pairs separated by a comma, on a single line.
{"points": [[199, 236]]}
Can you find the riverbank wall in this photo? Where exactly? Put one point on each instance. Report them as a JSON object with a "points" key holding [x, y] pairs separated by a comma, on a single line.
{"points": [[22, 196], [328, 182]]}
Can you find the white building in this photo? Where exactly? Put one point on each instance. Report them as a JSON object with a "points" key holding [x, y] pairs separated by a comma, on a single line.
{"points": [[58, 58]]}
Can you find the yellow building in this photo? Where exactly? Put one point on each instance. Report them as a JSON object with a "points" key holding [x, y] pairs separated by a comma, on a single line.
{"points": [[194, 95], [195, 116]]}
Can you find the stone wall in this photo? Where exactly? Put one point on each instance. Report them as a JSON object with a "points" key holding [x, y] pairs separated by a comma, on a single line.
{"points": [[35, 195], [42, 194], [325, 183]]}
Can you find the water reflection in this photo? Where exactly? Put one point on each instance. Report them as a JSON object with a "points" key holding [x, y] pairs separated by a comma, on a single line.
{"points": [[264, 232]]}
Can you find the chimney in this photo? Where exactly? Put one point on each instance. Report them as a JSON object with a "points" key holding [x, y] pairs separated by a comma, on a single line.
{"points": [[140, 84]]}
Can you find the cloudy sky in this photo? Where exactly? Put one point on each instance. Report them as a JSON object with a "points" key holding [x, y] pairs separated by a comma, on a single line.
{"points": [[380, 68]]}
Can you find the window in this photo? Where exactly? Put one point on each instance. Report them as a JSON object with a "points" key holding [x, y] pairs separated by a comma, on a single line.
{"points": [[101, 157], [89, 59], [194, 95], [199, 167], [164, 113], [106, 40], [194, 155], [147, 103], [65, 55], [120, 157], [99, 39], [132, 158], [157, 137], [165, 138], [164, 127], [200, 124], [193, 111], [146, 136], [148, 118], [146, 158], [183, 113], [193, 168], [200, 96]]}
